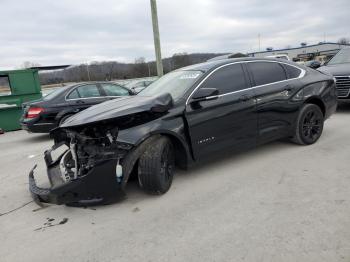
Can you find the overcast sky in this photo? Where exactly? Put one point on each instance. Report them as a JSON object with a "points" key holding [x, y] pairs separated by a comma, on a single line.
{"points": [[76, 31]]}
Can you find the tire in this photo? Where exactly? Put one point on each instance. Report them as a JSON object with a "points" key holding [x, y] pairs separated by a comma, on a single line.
{"points": [[156, 167], [64, 118], [309, 125]]}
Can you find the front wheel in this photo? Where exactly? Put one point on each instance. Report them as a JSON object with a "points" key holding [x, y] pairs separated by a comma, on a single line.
{"points": [[309, 125], [156, 167]]}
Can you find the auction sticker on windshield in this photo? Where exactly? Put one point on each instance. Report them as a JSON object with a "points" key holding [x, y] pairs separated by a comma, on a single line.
{"points": [[190, 76]]}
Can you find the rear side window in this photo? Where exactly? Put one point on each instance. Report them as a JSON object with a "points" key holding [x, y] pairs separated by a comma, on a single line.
{"points": [[267, 72], [87, 91], [114, 90], [292, 72], [227, 79], [5, 89]]}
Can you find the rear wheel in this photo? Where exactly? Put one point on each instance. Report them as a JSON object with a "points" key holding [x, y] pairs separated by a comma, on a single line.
{"points": [[309, 125], [156, 167]]}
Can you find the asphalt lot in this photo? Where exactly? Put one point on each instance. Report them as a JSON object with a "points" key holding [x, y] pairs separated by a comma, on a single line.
{"points": [[280, 202]]}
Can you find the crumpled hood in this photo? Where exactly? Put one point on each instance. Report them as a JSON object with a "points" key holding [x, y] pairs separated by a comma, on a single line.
{"points": [[336, 70], [120, 107]]}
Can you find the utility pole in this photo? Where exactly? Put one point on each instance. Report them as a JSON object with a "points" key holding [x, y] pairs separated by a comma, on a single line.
{"points": [[88, 71], [156, 37], [259, 40]]}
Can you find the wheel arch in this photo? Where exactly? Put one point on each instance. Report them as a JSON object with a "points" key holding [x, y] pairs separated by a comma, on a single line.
{"points": [[318, 102], [64, 113], [182, 153]]}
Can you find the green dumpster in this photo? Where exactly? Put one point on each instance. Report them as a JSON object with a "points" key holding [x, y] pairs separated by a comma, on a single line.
{"points": [[16, 87]]}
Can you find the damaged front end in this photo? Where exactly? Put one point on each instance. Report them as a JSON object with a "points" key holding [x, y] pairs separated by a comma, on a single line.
{"points": [[88, 172], [95, 166]]}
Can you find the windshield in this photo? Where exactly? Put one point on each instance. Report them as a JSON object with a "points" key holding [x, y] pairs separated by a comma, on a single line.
{"points": [[342, 57], [175, 83]]}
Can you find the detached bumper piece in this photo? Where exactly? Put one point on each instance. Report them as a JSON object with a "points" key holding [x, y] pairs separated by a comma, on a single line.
{"points": [[98, 186]]}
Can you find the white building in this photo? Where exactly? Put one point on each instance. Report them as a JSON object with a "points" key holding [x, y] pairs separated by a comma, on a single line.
{"points": [[304, 52]]}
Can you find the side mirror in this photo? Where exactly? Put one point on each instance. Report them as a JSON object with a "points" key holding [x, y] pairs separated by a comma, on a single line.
{"points": [[162, 103], [132, 91], [205, 94]]}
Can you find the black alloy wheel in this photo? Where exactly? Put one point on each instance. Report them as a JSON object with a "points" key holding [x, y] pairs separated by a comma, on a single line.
{"points": [[309, 125], [156, 167]]}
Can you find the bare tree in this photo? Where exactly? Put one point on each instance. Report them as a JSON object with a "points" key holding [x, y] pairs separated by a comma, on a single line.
{"points": [[108, 70], [344, 41], [28, 64], [180, 60], [140, 60]]}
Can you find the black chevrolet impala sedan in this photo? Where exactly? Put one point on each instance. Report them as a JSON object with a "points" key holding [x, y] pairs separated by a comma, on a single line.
{"points": [[52, 110], [185, 117]]}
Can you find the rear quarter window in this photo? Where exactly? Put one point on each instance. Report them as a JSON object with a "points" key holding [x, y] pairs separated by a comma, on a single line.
{"points": [[292, 72], [73, 95], [267, 72]]}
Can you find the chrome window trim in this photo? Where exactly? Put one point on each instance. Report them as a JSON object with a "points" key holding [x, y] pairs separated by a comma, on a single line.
{"points": [[42, 124], [84, 98], [301, 75]]}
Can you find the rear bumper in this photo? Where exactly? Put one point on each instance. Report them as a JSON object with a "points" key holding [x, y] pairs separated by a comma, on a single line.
{"points": [[98, 186], [37, 127]]}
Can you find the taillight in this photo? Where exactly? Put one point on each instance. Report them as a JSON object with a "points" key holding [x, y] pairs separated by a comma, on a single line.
{"points": [[34, 112]]}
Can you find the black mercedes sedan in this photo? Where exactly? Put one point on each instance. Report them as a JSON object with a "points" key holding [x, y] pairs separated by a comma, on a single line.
{"points": [[187, 116], [43, 115], [339, 67]]}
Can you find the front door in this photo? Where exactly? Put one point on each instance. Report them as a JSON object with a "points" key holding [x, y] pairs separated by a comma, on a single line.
{"points": [[227, 121]]}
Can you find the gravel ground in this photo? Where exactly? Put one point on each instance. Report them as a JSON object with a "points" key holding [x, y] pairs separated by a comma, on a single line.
{"points": [[279, 202]]}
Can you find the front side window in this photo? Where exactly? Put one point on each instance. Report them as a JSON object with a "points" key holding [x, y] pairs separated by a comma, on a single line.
{"points": [[227, 79], [114, 90], [267, 72], [88, 91], [5, 89], [342, 57], [176, 83]]}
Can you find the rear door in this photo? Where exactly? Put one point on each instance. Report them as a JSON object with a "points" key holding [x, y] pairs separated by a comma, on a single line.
{"points": [[227, 122], [274, 84], [85, 96]]}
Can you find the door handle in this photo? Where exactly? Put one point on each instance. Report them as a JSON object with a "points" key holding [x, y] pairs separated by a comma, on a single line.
{"points": [[245, 98], [80, 102]]}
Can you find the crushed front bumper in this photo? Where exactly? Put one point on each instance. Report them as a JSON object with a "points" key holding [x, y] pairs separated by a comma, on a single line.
{"points": [[98, 186]]}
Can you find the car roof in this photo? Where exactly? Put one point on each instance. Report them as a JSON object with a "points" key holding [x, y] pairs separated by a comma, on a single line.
{"points": [[207, 66]]}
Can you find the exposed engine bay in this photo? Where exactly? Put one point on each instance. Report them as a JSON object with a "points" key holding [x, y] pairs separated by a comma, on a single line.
{"points": [[88, 148], [93, 143]]}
